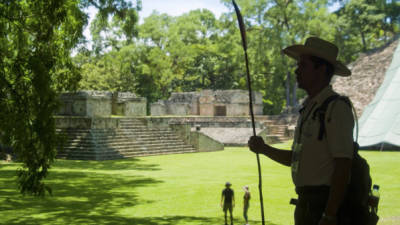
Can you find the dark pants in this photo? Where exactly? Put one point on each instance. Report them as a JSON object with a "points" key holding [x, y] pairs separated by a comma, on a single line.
{"points": [[311, 204], [228, 207], [245, 210]]}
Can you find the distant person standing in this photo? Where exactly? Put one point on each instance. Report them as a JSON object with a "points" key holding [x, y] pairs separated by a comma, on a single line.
{"points": [[246, 203], [228, 201]]}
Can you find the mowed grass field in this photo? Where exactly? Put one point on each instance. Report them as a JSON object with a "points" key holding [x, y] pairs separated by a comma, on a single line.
{"points": [[182, 189]]}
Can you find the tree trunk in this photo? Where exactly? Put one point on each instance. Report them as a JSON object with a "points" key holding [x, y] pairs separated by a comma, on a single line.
{"points": [[287, 90], [294, 96], [363, 41]]}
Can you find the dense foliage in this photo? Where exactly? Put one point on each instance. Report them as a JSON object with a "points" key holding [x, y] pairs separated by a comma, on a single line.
{"points": [[197, 51], [37, 37], [164, 54]]}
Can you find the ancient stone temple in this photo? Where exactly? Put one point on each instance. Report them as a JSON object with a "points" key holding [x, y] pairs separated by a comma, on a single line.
{"points": [[99, 125], [102, 104], [209, 103], [128, 104]]}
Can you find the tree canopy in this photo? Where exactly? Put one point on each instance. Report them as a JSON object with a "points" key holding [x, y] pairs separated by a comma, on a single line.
{"points": [[198, 51]]}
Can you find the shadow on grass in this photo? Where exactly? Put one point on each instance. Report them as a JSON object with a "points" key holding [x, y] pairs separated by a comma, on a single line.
{"points": [[122, 164], [94, 196], [112, 219], [79, 197]]}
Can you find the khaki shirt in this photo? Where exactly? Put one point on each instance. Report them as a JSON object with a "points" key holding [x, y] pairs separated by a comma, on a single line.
{"points": [[313, 159]]}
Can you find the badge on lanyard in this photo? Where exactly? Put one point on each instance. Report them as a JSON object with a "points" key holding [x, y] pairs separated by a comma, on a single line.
{"points": [[296, 150]]}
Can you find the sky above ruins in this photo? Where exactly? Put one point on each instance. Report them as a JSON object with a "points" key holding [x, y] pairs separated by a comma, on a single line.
{"points": [[175, 8], [178, 7], [170, 7]]}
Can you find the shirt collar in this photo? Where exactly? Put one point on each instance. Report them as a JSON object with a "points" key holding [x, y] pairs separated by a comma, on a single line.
{"points": [[320, 97]]}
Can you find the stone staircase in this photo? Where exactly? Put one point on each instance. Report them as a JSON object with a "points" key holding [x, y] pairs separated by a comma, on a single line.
{"points": [[277, 134], [278, 130], [132, 138]]}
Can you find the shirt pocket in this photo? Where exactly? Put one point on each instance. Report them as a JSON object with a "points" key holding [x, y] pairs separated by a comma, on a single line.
{"points": [[311, 128]]}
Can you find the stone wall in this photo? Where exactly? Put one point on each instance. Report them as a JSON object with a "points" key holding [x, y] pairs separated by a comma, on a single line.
{"points": [[185, 103], [76, 122], [209, 103], [204, 143], [128, 104], [102, 104], [86, 103]]}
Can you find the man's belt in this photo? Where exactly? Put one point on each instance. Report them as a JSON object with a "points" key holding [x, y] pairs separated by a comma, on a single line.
{"points": [[308, 190], [305, 191]]}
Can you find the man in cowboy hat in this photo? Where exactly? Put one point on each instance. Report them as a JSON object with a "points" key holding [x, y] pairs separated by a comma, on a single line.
{"points": [[228, 201], [320, 164]]}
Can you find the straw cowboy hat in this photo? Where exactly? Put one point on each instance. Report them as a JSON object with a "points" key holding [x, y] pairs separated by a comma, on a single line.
{"points": [[323, 49]]}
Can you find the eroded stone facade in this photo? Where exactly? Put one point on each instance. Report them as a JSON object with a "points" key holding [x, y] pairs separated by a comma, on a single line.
{"points": [[128, 104], [209, 103], [102, 104]]}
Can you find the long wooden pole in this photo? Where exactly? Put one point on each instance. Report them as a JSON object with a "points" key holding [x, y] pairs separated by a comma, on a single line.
{"points": [[244, 43]]}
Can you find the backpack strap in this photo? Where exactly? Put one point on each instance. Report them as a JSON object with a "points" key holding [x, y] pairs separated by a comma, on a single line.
{"points": [[321, 111]]}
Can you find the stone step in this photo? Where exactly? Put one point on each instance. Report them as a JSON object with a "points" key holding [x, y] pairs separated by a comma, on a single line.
{"points": [[148, 138], [154, 152], [273, 139], [132, 139], [147, 148], [158, 149], [77, 135], [123, 148], [277, 127], [146, 130], [116, 154], [141, 134], [134, 142], [132, 120], [133, 127], [280, 133], [128, 133], [137, 137], [121, 122], [144, 147], [139, 131], [78, 148], [80, 143], [160, 145], [161, 153], [73, 131]]}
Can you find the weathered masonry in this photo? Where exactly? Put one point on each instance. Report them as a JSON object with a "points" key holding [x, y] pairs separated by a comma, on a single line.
{"points": [[103, 125], [209, 103], [101, 104]]}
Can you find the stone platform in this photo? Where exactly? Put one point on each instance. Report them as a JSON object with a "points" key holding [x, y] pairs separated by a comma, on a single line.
{"points": [[113, 138], [103, 138]]}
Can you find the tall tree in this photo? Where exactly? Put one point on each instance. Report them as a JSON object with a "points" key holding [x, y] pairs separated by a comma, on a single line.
{"points": [[114, 23], [363, 19], [37, 38]]}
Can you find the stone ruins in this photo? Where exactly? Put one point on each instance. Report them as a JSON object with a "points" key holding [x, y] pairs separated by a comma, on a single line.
{"points": [[102, 104], [209, 103], [100, 125]]}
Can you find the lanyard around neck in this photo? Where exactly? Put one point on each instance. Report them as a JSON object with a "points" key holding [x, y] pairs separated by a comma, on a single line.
{"points": [[304, 120]]}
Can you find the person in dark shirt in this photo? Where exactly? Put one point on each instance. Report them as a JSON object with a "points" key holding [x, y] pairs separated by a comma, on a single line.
{"points": [[228, 201]]}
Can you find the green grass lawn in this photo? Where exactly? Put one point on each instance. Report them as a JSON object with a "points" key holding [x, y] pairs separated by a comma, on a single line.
{"points": [[183, 189]]}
